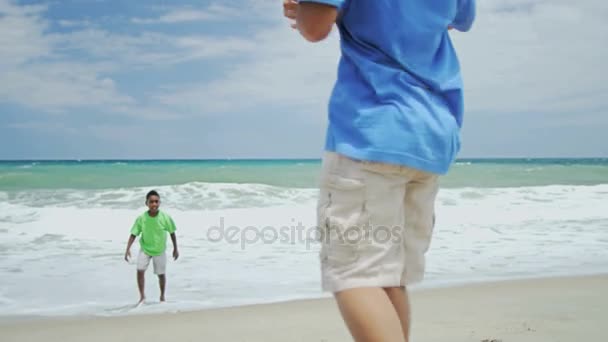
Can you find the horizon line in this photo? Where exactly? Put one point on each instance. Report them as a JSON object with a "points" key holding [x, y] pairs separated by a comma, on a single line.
{"points": [[268, 159]]}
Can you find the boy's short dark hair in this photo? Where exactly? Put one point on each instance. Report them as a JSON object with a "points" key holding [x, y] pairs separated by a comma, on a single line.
{"points": [[152, 193]]}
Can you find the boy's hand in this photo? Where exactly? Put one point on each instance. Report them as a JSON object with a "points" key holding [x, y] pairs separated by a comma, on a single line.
{"points": [[127, 255], [175, 254], [290, 10]]}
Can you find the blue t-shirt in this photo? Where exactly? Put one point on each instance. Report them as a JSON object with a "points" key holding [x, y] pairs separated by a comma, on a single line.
{"points": [[398, 97]]}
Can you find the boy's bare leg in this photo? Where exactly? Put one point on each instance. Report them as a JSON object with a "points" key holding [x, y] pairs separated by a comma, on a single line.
{"points": [[369, 315], [399, 298], [162, 281], [140, 285]]}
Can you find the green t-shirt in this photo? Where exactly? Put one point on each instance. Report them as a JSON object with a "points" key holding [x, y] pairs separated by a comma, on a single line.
{"points": [[153, 232]]}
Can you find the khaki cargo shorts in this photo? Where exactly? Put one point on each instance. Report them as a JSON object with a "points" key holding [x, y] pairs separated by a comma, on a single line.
{"points": [[375, 223]]}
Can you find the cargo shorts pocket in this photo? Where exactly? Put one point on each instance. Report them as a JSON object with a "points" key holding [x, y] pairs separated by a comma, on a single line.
{"points": [[342, 220]]}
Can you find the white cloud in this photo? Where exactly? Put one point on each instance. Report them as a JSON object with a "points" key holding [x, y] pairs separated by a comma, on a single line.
{"points": [[53, 87], [74, 23], [535, 56], [175, 17], [283, 71], [181, 15], [40, 72], [43, 126], [521, 56], [21, 38], [149, 48], [61, 86]]}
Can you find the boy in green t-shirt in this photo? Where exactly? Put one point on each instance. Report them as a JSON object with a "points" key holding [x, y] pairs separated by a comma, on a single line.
{"points": [[153, 225]]}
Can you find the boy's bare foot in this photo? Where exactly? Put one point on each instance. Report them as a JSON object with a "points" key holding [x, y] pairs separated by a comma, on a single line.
{"points": [[162, 299], [141, 300]]}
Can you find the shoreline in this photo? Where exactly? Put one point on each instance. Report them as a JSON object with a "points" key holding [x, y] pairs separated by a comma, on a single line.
{"points": [[423, 287], [521, 310]]}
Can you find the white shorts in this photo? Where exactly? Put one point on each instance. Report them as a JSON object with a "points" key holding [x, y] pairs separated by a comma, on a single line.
{"points": [[159, 262], [375, 223]]}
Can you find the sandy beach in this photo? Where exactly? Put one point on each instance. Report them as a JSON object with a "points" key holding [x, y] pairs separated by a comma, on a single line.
{"points": [[555, 309]]}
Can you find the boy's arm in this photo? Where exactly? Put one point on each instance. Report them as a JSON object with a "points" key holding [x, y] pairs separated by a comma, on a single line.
{"points": [[175, 251], [465, 15], [314, 18], [171, 229], [129, 244], [135, 231]]}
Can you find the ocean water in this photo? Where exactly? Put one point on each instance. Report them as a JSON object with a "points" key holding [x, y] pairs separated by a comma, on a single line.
{"points": [[64, 227]]}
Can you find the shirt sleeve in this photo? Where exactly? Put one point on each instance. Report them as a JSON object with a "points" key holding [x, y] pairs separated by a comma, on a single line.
{"points": [[335, 3], [170, 225], [465, 16], [136, 229]]}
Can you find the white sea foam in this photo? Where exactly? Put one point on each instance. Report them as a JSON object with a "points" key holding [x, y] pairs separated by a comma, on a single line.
{"points": [[189, 196], [61, 250]]}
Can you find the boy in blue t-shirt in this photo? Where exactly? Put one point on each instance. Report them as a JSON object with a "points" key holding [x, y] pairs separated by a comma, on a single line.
{"points": [[395, 115]]}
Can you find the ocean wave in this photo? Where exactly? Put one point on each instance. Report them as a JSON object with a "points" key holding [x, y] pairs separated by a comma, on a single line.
{"points": [[75, 240], [189, 196], [28, 166], [213, 196]]}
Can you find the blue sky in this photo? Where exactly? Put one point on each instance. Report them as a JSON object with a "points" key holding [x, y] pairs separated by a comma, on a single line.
{"points": [[214, 79]]}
